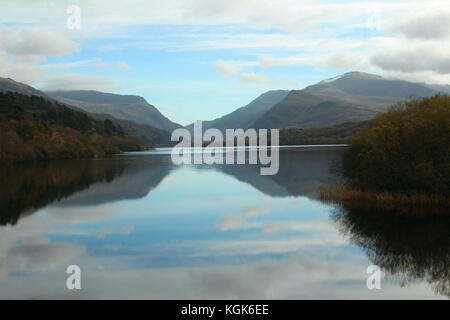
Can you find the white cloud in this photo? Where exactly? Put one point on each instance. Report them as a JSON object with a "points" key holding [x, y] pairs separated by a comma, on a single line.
{"points": [[434, 24], [320, 31], [23, 48], [24, 248], [408, 59], [20, 71], [108, 47], [296, 277], [288, 15], [127, 229], [415, 59], [78, 82], [230, 222], [422, 77], [122, 65], [256, 211], [254, 77], [35, 44], [226, 68], [88, 63], [40, 257], [105, 232]]}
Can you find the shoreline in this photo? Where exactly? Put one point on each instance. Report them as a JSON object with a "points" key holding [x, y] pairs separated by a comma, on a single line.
{"points": [[343, 194]]}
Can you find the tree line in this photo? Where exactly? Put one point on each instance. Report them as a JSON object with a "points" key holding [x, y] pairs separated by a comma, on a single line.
{"points": [[34, 128]]}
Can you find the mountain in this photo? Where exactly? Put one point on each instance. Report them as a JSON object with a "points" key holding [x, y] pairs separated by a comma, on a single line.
{"points": [[34, 128], [145, 133], [370, 90], [244, 117], [441, 88], [9, 85], [125, 107], [352, 97], [337, 134], [308, 110]]}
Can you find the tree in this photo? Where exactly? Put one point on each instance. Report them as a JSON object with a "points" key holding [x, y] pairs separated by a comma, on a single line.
{"points": [[406, 149]]}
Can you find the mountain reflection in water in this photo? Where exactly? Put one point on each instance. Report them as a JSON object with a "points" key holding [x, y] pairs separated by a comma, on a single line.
{"points": [[141, 227]]}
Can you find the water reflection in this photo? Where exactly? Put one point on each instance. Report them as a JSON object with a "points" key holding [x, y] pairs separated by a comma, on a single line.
{"points": [[301, 172], [27, 188], [141, 227], [412, 244]]}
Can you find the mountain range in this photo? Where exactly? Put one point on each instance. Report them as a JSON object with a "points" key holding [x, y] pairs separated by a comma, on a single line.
{"points": [[138, 118], [353, 97], [244, 117], [125, 107]]}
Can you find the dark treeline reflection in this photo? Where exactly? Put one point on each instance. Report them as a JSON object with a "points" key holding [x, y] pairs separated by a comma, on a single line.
{"points": [[28, 187], [410, 244], [69, 183]]}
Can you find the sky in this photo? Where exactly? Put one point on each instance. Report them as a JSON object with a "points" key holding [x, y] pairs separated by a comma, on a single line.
{"points": [[201, 59]]}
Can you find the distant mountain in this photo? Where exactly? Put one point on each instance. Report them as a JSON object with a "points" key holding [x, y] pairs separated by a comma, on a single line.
{"points": [[337, 134], [370, 90], [145, 133], [244, 117], [125, 107], [9, 85], [308, 110], [441, 88], [352, 97]]}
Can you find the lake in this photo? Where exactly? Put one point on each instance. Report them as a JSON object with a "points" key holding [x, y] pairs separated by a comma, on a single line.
{"points": [[140, 227]]}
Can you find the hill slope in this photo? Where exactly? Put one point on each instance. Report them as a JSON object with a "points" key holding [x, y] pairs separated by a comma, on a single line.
{"points": [[352, 97], [244, 117], [145, 133], [308, 110], [338, 134], [9, 85], [370, 90], [34, 128], [125, 107]]}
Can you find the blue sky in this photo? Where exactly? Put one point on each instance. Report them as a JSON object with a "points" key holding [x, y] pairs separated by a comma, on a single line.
{"points": [[200, 59]]}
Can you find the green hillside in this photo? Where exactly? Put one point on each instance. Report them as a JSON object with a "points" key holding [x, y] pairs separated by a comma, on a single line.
{"points": [[34, 128]]}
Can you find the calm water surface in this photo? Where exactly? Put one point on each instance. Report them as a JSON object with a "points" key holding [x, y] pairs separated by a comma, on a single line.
{"points": [[140, 227]]}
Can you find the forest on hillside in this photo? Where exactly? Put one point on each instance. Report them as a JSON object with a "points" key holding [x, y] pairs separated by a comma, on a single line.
{"points": [[33, 128], [337, 134]]}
